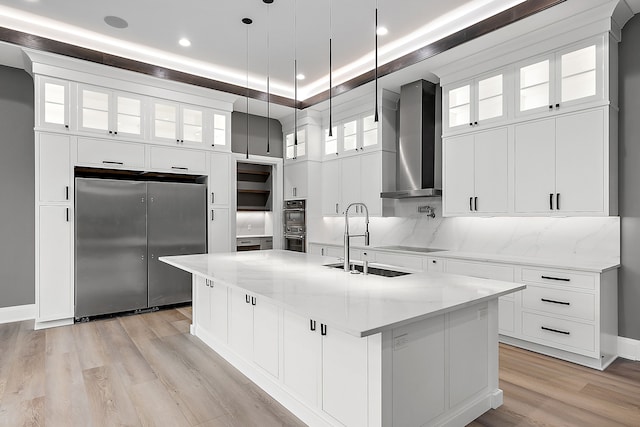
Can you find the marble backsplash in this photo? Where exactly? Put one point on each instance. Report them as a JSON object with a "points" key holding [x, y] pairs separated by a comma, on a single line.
{"points": [[540, 237], [254, 223]]}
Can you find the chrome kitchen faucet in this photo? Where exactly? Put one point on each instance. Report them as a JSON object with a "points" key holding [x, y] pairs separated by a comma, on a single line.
{"points": [[347, 237]]}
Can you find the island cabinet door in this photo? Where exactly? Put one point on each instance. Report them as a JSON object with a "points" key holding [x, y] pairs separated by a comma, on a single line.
{"points": [[202, 304], [266, 332], [218, 324], [241, 324], [344, 377], [301, 357]]}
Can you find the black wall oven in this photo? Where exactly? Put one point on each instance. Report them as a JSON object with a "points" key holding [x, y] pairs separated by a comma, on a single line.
{"points": [[294, 212]]}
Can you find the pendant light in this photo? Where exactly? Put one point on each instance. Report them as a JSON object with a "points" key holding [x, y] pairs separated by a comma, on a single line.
{"points": [[268, 2], [375, 116], [330, 70], [247, 21], [295, 77]]}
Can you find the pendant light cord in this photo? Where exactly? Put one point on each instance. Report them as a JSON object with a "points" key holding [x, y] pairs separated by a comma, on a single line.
{"points": [[268, 81], [295, 75], [247, 97], [375, 117], [330, 70]]}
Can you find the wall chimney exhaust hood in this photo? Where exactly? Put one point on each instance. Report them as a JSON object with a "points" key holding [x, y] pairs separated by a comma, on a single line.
{"points": [[418, 169]]}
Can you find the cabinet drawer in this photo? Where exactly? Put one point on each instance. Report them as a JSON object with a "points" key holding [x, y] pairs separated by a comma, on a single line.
{"points": [[333, 251], [110, 154], [560, 301], [559, 278], [407, 261], [566, 334], [363, 254], [177, 160]]}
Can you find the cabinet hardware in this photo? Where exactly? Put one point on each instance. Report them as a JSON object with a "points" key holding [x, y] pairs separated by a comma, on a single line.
{"points": [[66, 192], [555, 302], [557, 331], [475, 123], [253, 300], [475, 203], [213, 215], [336, 208], [115, 132], [179, 168], [67, 214], [434, 261], [550, 107], [322, 251], [323, 329], [470, 124], [550, 201], [312, 324], [213, 197], [471, 203], [66, 126], [561, 279], [557, 106], [108, 162], [110, 132], [557, 201], [246, 298]]}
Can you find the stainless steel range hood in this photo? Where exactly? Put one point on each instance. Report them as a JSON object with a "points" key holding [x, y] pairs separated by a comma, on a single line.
{"points": [[418, 169]]}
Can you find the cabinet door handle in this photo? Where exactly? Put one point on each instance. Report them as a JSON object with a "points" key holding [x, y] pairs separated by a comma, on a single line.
{"points": [[555, 302], [66, 126], [66, 192], [322, 251], [179, 168], [312, 324], [550, 201], [557, 331], [323, 329], [475, 203], [213, 197], [550, 107], [336, 208], [67, 214], [557, 201], [108, 162], [213, 215], [561, 279], [253, 300], [475, 123], [471, 203], [557, 106], [246, 298]]}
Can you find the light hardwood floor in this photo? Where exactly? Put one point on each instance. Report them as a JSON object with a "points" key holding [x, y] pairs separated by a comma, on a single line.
{"points": [[146, 370]]}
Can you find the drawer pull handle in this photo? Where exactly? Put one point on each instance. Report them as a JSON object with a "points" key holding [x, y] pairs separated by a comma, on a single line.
{"points": [[562, 279], [557, 331], [107, 162], [312, 324], [323, 329], [555, 302], [179, 168]]}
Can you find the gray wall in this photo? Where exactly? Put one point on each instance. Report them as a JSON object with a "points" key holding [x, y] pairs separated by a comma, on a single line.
{"points": [[629, 190], [17, 190], [257, 135]]}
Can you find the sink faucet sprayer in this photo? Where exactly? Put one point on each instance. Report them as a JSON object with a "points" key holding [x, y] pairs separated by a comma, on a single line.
{"points": [[347, 237]]}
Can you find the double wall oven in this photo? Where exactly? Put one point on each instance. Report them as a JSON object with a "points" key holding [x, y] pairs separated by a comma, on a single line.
{"points": [[295, 225]]}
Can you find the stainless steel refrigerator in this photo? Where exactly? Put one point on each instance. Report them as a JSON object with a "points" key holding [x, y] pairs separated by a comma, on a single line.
{"points": [[121, 228]]}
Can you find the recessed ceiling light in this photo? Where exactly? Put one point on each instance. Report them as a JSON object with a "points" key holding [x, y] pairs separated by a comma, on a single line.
{"points": [[116, 22], [184, 42], [300, 76], [382, 31]]}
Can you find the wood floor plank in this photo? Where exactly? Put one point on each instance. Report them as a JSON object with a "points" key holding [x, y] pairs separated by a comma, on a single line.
{"points": [[109, 402], [155, 406], [89, 346], [60, 340]]}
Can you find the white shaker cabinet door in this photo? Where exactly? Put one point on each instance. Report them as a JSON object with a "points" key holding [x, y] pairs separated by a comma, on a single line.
{"points": [[55, 284], [219, 179], [459, 174], [580, 162], [331, 188], [350, 172], [219, 237], [491, 171], [53, 168], [241, 324], [535, 168], [302, 353], [266, 333], [219, 311], [371, 185], [202, 304]]}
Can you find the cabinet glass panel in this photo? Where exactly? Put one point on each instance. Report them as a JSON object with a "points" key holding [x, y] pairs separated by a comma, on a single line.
{"points": [[95, 110], [331, 142], [219, 129], [578, 74], [129, 115], [192, 125], [290, 148], [369, 131], [534, 85], [301, 148], [165, 121], [54, 103], [460, 106], [490, 97], [349, 135]]}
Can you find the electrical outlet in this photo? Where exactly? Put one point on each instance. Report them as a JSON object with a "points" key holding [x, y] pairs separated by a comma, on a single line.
{"points": [[249, 227]]}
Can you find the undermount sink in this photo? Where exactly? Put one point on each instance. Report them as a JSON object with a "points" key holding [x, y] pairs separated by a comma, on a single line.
{"points": [[372, 270]]}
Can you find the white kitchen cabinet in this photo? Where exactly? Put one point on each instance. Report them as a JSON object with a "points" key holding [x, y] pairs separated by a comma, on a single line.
{"points": [[326, 250], [477, 102], [219, 179], [351, 176], [211, 308], [550, 178], [344, 377], [332, 188], [178, 123], [110, 154], [54, 167], [296, 180], [354, 135], [219, 234], [111, 113], [560, 79], [178, 160], [254, 330], [302, 356], [476, 173], [221, 130], [202, 304], [54, 280], [53, 103], [296, 148]]}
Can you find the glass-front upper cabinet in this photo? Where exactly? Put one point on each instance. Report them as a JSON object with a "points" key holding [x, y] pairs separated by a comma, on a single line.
{"points": [[369, 132], [220, 131], [571, 76], [349, 136], [330, 142], [296, 149], [480, 101], [53, 103], [109, 112], [180, 124]]}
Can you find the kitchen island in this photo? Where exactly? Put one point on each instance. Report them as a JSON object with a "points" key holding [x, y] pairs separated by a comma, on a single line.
{"points": [[342, 349]]}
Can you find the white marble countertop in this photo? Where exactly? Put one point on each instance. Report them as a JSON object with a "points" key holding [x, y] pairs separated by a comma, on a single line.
{"points": [[567, 262], [357, 304]]}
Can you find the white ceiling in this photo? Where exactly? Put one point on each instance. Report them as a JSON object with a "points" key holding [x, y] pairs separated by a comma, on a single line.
{"points": [[293, 28]]}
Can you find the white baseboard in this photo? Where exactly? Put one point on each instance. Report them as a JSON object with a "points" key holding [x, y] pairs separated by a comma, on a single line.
{"points": [[17, 313], [629, 348]]}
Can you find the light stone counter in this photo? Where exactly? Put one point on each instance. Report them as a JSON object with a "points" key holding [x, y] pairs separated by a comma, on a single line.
{"points": [[356, 304]]}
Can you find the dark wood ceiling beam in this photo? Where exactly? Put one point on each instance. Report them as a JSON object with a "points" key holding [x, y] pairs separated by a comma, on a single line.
{"points": [[509, 16]]}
